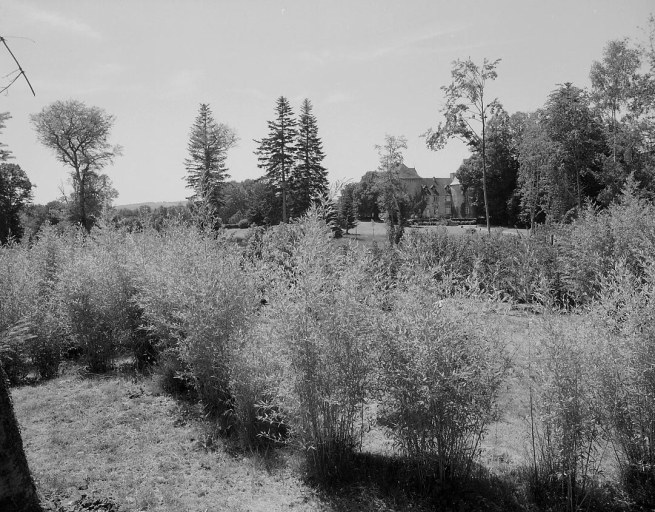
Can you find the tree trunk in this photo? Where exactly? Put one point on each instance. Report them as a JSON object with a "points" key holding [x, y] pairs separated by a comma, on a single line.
{"points": [[484, 173], [17, 490]]}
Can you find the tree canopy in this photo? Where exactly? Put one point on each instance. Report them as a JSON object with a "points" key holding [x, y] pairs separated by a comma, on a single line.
{"points": [[78, 135], [206, 165]]}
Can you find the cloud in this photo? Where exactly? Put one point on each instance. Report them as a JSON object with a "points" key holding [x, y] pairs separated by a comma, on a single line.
{"points": [[57, 21], [421, 41], [182, 83], [337, 98], [427, 40], [252, 92]]}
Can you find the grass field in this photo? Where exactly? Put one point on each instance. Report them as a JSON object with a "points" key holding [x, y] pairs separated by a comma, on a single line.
{"points": [[120, 438], [370, 231]]}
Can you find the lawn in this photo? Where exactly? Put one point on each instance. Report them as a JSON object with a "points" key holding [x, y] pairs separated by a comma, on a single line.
{"points": [[120, 438], [370, 231]]}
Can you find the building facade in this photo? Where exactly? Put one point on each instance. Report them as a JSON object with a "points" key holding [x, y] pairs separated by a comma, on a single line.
{"points": [[444, 198]]}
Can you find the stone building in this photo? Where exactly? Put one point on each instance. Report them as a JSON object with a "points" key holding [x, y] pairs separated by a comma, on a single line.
{"points": [[443, 197]]}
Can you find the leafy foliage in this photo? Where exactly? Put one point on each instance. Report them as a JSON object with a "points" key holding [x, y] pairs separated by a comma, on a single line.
{"points": [[79, 137], [439, 380], [15, 194], [466, 111]]}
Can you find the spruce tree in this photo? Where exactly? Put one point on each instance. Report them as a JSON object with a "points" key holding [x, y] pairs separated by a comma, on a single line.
{"points": [[310, 177], [206, 167], [276, 153]]}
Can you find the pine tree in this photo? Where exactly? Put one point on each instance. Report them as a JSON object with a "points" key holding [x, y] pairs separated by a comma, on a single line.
{"points": [[310, 177], [206, 167], [276, 153]]}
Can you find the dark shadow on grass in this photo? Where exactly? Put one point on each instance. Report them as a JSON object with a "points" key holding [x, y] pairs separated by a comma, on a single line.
{"points": [[380, 482]]}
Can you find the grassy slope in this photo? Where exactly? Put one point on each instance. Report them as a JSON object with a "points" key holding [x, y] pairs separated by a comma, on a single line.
{"points": [[83, 435]]}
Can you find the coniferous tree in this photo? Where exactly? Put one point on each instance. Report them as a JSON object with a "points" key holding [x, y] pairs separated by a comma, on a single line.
{"points": [[206, 167], [276, 153], [310, 177]]}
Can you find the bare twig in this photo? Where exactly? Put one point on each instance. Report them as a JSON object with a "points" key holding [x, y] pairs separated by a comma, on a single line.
{"points": [[20, 69]]}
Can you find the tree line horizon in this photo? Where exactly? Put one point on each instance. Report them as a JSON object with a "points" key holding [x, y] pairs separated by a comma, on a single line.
{"points": [[525, 168]]}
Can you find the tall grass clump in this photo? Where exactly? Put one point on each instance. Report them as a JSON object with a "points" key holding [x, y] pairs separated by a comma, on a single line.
{"points": [[439, 377], [626, 368], [28, 303], [318, 319], [511, 268], [16, 297], [196, 299], [94, 292], [566, 415], [589, 247]]}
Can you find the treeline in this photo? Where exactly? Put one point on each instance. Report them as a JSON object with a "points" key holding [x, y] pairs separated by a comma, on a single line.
{"points": [[580, 147], [290, 156], [542, 166]]}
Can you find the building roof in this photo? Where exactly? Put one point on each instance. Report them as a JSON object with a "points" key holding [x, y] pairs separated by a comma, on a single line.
{"points": [[414, 182]]}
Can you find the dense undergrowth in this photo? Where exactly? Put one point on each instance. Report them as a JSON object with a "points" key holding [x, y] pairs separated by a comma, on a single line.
{"points": [[291, 339]]}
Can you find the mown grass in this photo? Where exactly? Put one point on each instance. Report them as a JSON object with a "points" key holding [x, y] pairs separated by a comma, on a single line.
{"points": [[124, 439]]}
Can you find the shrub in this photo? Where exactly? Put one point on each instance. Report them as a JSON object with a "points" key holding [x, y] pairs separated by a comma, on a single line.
{"points": [[244, 224], [257, 373], [319, 322], [196, 299], [566, 414], [16, 296], [13, 357], [95, 293], [498, 266], [626, 368], [439, 380]]}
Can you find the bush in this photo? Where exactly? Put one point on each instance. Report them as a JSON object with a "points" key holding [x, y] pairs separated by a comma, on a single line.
{"points": [[95, 292], [244, 224], [439, 380], [566, 414], [12, 352], [495, 266], [626, 372], [196, 299], [319, 322]]}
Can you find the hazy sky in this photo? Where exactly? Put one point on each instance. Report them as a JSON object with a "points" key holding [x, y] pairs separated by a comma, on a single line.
{"points": [[369, 67]]}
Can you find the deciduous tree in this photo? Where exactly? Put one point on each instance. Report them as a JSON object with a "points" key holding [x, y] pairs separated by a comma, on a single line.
{"points": [[570, 122], [502, 168], [392, 196], [466, 111], [5, 154], [79, 137], [15, 194], [539, 183], [613, 82]]}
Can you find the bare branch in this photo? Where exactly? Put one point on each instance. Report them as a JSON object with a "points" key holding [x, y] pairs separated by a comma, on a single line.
{"points": [[21, 70]]}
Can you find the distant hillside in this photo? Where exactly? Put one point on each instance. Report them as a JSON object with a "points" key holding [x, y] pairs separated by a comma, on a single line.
{"points": [[135, 206]]}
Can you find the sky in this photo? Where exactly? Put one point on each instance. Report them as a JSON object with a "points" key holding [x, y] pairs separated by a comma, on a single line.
{"points": [[369, 67]]}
